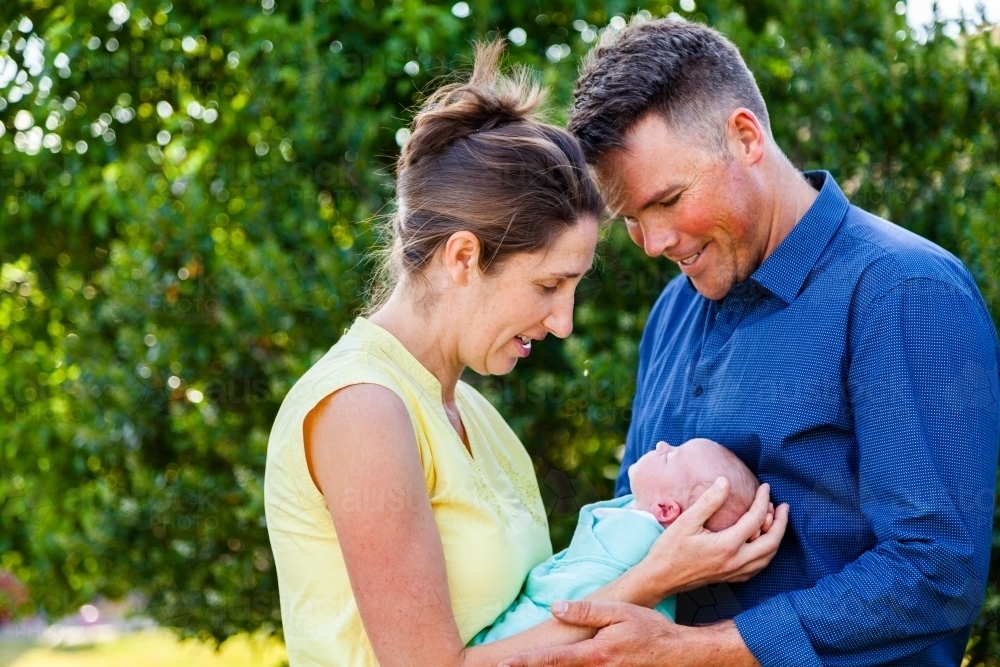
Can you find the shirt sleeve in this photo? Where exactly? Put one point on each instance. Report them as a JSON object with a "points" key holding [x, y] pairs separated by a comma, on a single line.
{"points": [[922, 383]]}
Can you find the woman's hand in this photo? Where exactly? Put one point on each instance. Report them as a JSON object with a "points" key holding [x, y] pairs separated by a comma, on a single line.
{"points": [[688, 555], [768, 522]]}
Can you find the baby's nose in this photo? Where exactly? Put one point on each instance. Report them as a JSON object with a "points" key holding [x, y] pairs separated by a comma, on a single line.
{"points": [[661, 445]]}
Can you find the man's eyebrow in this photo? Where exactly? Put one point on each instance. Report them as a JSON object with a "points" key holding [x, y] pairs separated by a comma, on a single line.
{"points": [[657, 196]]}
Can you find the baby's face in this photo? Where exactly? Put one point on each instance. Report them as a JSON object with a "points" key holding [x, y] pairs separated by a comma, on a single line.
{"points": [[672, 472], [668, 480]]}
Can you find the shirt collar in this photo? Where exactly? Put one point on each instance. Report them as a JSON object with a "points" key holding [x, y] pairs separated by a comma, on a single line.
{"points": [[785, 270]]}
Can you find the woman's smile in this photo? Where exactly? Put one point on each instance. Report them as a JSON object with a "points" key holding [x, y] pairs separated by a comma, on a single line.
{"points": [[523, 344]]}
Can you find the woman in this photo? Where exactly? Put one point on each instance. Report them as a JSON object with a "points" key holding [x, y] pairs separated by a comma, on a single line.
{"points": [[403, 512]]}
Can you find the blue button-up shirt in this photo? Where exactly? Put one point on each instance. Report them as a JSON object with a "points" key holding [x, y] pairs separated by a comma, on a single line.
{"points": [[856, 372]]}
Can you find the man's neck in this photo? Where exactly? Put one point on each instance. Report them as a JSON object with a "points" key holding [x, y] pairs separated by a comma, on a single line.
{"points": [[792, 195]]}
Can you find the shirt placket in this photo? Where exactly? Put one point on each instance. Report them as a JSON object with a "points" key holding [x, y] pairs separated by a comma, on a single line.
{"points": [[731, 312]]}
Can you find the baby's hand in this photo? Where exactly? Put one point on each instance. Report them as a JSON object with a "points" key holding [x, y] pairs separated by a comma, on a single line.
{"points": [[768, 522]]}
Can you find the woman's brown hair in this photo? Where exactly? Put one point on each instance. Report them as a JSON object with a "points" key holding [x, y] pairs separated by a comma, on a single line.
{"points": [[480, 160]]}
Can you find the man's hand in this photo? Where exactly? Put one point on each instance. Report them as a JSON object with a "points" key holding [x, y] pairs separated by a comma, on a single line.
{"points": [[638, 637]]}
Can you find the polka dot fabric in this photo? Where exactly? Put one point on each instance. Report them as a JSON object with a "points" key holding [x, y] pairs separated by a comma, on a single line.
{"points": [[856, 372]]}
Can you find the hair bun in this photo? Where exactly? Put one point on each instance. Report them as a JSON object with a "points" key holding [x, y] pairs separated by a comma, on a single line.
{"points": [[480, 161], [487, 101]]}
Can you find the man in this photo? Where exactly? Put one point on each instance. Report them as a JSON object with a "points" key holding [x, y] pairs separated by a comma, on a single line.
{"points": [[849, 363]]}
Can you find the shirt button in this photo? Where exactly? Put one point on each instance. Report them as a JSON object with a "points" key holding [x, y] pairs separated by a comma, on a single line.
{"points": [[698, 390]]}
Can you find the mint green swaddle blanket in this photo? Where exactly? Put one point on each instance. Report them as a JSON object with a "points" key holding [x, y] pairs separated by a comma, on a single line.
{"points": [[609, 539]]}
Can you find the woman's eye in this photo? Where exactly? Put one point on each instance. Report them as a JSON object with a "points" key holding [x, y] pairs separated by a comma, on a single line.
{"points": [[670, 202], [550, 289], [630, 222]]}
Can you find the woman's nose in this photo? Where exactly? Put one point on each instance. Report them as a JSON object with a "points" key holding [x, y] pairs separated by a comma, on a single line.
{"points": [[560, 320]]}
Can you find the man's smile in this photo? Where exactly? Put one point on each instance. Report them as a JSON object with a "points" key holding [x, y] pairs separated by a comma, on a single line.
{"points": [[690, 260]]}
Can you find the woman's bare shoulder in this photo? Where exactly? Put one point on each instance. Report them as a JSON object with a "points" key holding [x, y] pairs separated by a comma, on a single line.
{"points": [[362, 400], [357, 420]]}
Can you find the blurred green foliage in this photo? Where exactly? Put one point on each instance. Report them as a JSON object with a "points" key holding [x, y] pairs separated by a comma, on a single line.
{"points": [[186, 199]]}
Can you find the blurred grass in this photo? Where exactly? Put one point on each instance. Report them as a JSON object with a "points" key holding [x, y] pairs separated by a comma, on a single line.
{"points": [[158, 648]]}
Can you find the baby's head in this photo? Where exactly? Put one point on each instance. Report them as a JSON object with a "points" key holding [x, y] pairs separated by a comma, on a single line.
{"points": [[668, 480]]}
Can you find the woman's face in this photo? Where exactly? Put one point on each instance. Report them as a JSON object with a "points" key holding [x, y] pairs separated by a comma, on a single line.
{"points": [[529, 297]]}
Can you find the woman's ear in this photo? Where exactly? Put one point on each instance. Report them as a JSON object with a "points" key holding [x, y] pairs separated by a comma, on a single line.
{"points": [[667, 511], [461, 256]]}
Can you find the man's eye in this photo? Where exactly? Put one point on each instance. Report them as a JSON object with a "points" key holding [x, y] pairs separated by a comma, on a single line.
{"points": [[550, 289], [670, 202]]}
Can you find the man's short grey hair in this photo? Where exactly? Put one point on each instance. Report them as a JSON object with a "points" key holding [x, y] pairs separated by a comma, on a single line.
{"points": [[688, 73]]}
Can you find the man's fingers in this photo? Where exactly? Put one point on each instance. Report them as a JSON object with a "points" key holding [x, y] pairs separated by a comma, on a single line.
{"points": [[708, 504], [574, 655], [590, 614]]}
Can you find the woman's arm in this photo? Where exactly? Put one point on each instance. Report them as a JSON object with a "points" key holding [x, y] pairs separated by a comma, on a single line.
{"points": [[363, 456]]}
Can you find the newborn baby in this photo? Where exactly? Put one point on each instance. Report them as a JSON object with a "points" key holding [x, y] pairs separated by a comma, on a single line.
{"points": [[613, 535], [668, 480]]}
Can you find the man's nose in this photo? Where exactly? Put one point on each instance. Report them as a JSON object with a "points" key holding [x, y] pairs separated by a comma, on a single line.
{"points": [[656, 241]]}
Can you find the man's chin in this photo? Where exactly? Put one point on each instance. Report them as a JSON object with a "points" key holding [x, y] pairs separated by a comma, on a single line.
{"points": [[710, 289]]}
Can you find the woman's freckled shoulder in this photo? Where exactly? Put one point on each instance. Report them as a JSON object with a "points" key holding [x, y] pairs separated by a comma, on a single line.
{"points": [[369, 402]]}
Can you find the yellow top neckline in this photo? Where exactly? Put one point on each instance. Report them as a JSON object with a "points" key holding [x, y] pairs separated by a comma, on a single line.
{"points": [[398, 352]]}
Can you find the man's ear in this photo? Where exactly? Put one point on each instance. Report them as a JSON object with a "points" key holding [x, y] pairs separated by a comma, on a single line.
{"points": [[667, 511], [461, 256], [747, 136]]}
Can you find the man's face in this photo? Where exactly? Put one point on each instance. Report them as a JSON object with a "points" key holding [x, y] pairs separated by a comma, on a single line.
{"points": [[684, 201]]}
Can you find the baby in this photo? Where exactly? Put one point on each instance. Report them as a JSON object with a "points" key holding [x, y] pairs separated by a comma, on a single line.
{"points": [[613, 535]]}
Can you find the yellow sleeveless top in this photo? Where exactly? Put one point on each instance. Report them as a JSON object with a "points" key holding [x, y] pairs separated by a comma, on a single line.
{"points": [[487, 506]]}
